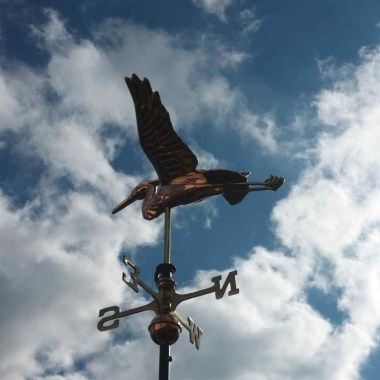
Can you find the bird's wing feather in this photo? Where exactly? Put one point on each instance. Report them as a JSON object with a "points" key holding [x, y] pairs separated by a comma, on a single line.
{"points": [[169, 155]]}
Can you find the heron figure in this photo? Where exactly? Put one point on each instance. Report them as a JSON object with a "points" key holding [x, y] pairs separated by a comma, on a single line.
{"points": [[179, 181]]}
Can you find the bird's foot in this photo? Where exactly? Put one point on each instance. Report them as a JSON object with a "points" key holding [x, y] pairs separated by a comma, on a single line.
{"points": [[274, 182]]}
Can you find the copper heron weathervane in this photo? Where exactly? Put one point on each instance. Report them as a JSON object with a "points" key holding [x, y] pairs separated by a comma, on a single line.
{"points": [[179, 182]]}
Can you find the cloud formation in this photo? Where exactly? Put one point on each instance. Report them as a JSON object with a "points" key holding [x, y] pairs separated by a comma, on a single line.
{"points": [[70, 118], [328, 230], [215, 7], [60, 247]]}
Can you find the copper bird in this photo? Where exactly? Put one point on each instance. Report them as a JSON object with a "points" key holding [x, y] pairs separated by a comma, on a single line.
{"points": [[179, 182]]}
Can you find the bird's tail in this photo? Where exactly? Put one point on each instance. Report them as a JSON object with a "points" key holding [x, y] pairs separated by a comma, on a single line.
{"points": [[235, 196]]}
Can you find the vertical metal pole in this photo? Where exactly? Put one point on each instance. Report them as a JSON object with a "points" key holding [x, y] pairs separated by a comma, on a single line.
{"points": [[165, 348], [164, 362], [167, 237]]}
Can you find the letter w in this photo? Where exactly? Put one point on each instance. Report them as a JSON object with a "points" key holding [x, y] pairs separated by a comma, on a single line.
{"points": [[195, 333]]}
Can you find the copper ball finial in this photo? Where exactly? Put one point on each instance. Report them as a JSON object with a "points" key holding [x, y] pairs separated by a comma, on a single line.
{"points": [[164, 329]]}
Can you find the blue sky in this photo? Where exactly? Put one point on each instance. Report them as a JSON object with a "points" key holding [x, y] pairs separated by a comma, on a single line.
{"points": [[288, 88]]}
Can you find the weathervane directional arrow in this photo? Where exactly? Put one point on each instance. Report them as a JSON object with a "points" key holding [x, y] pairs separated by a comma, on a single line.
{"points": [[166, 300]]}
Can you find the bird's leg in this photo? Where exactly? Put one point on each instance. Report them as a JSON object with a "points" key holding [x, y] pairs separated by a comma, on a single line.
{"points": [[272, 183]]}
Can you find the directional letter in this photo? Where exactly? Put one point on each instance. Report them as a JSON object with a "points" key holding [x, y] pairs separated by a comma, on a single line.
{"points": [[230, 281], [195, 333], [113, 317], [134, 275]]}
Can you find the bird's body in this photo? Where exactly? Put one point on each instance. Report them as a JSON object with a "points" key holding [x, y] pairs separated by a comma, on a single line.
{"points": [[190, 188], [179, 182]]}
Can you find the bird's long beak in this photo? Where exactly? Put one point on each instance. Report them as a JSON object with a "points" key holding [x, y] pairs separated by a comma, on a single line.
{"points": [[126, 202]]}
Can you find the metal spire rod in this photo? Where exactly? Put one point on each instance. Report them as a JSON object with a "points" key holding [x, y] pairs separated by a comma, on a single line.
{"points": [[167, 237], [165, 357]]}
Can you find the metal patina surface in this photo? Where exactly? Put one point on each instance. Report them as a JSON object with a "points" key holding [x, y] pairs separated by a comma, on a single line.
{"points": [[179, 181]]}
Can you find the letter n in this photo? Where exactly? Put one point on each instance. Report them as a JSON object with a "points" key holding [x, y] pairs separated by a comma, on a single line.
{"points": [[230, 281]]}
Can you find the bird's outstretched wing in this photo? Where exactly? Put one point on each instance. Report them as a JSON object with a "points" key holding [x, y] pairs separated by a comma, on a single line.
{"points": [[169, 155]]}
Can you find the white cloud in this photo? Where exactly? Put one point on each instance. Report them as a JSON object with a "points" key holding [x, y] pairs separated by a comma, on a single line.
{"points": [[58, 268], [215, 7], [329, 227], [232, 58], [254, 330], [261, 129], [59, 251], [8, 106], [333, 212], [249, 21], [58, 256], [61, 241]]}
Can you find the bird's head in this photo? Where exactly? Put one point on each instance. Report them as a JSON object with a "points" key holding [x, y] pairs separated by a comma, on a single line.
{"points": [[138, 193]]}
